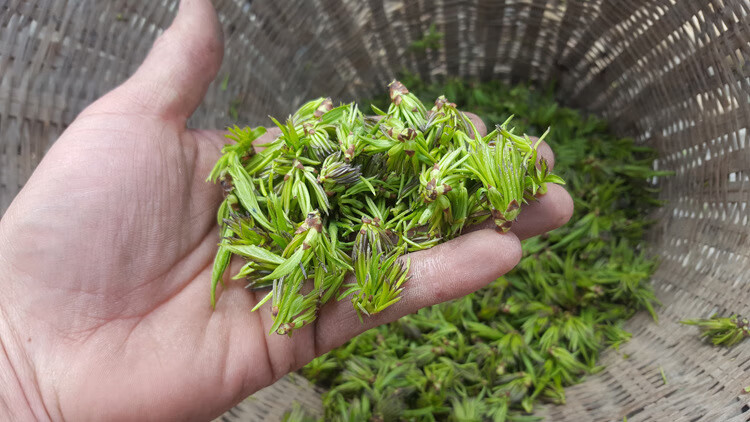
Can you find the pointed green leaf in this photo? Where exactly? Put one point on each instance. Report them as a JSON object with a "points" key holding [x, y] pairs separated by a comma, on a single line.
{"points": [[256, 253], [289, 265]]}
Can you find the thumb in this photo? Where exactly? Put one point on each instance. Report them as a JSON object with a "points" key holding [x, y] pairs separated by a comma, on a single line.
{"points": [[174, 77]]}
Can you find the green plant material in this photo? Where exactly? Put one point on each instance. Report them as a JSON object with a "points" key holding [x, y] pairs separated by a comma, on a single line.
{"points": [[297, 414], [430, 40], [379, 281], [663, 375], [721, 330], [495, 354], [225, 82], [341, 192], [234, 107]]}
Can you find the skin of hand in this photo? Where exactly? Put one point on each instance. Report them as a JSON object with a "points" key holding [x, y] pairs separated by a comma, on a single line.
{"points": [[106, 254]]}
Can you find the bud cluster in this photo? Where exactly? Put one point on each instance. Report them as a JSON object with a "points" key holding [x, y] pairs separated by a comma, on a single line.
{"points": [[340, 192]]}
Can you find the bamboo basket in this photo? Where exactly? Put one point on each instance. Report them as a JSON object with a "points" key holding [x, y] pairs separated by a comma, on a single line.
{"points": [[673, 74]]}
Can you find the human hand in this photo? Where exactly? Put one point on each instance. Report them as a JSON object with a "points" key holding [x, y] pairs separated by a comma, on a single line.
{"points": [[106, 255]]}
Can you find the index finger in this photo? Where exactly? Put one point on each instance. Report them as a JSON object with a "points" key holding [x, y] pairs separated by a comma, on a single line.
{"points": [[544, 152], [478, 123]]}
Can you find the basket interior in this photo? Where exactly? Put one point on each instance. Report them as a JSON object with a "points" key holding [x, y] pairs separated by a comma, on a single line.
{"points": [[672, 74]]}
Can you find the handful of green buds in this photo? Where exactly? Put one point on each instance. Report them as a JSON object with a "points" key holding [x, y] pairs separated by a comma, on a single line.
{"points": [[340, 192]]}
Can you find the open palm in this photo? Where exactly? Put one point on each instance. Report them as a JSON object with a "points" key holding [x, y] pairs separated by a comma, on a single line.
{"points": [[105, 260]]}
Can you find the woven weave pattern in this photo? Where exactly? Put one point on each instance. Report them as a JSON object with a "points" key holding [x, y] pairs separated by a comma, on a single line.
{"points": [[672, 73]]}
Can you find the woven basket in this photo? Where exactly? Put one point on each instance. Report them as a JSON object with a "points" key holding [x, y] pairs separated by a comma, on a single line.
{"points": [[674, 74]]}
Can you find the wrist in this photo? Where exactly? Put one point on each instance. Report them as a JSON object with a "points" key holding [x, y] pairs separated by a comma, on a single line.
{"points": [[20, 397]]}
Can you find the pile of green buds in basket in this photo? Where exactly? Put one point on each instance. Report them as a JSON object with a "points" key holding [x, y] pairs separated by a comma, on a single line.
{"points": [[342, 192]]}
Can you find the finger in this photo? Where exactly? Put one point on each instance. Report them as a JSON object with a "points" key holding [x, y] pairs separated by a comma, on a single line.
{"points": [[548, 213], [218, 137], [174, 77], [478, 123], [270, 135], [444, 272], [544, 151]]}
